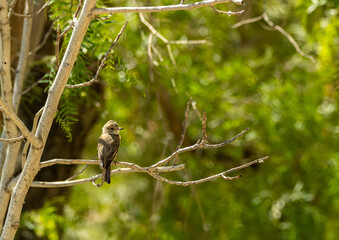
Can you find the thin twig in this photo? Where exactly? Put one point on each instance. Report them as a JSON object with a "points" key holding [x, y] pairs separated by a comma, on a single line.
{"points": [[289, 37], [32, 86], [247, 21], [187, 183], [103, 61], [12, 140], [57, 47], [230, 178], [165, 40], [10, 114], [184, 126], [43, 42], [204, 121], [152, 29], [45, 184], [32, 14], [52, 162], [81, 171], [218, 145], [196, 110], [187, 42], [77, 12], [55, 161], [67, 29], [11, 7], [157, 53], [198, 144], [229, 13], [200, 208], [34, 127], [170, 53], [151, 63], [78, 173], [177, 7]]}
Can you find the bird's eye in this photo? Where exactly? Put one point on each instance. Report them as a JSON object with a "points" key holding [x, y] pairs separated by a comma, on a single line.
{"points": [[111, 128]]}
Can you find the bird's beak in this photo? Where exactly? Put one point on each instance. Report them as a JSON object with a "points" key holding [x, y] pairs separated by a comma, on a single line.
{"points": [[120, 128]]}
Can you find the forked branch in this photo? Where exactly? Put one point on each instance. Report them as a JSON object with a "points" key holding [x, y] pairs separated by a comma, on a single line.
{"points": [[279, 29], [154, 170], [12, 116]]}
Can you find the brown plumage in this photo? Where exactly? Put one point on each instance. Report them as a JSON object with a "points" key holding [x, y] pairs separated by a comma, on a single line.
{"points": [[108, 146]]}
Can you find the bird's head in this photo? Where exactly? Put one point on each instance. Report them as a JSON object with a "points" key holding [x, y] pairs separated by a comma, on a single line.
{"points": [[111, 127]]}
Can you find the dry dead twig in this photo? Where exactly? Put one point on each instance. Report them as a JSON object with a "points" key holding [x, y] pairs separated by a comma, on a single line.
{"points": [[103, 61]]}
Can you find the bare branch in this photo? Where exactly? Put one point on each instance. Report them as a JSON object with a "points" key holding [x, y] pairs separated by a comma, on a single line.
{"points": [[152, 29], [151, 62], [170, 53], [77, 12], [67, 29], [161, 37], [187, 183], [226, 142], [78, 173], [103, 61], [152, 170], [11, 140], [118, 164], [57, 46], [31, 87], [173, 155], [165, 40], [31, 14], [21, 68], [187, 42], [247, 21], [184, 125], [229, 13], [68, 162], [198, 144], [157, 53], [230, 178], [43, 42], [10, 8], [278, 28], [289, 37], [9, 113], [42, 184], [204, 135], [196, 110], [205, 3], [25, 148]]}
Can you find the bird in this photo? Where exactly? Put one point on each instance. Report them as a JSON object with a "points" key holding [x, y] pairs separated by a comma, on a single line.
{"points": [[108, 146]]}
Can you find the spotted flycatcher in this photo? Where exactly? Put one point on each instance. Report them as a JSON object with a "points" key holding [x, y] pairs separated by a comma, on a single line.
{"points": [[108, 146]]}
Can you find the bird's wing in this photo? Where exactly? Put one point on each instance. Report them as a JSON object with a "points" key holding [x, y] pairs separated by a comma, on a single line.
{"points": [[113, 152], [101, 152]]}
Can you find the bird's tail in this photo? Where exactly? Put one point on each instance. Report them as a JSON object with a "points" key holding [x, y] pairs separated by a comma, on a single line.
{"points": [[108, 175]]}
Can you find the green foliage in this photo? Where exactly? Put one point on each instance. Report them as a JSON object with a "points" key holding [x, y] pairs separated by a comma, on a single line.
{"points": [[45, 222], [244, 77], [65, 116]]}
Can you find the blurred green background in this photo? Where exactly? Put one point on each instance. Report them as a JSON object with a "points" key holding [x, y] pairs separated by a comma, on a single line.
{"points": [[250, 76]]}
